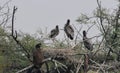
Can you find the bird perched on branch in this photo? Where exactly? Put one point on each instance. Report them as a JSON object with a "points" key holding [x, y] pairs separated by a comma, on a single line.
{"points": [[87, 42], [37, 55], [69, 30], [54, 32]]}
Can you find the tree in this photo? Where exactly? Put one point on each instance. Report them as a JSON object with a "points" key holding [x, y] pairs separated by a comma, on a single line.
{"points": [[16, 47]]}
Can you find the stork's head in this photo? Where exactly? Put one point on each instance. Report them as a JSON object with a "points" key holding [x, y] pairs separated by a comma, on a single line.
{"points": [[84, 33], [68, 21], [38, 45], [57, 26]]}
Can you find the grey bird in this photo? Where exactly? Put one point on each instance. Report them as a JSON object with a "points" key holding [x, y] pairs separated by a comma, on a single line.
{"points": [[54, 32], [87, 42], [69, 30]]}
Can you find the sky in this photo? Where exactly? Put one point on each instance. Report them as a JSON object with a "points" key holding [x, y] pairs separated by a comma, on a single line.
{"points": [[33, 15]]}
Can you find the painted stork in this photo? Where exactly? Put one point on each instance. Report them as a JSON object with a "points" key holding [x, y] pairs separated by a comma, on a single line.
{"points": [[87, 42], [69, 30], [54, 32]]}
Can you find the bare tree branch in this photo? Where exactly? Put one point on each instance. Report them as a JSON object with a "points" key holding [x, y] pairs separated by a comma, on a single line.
{"points": [[101, 19], [15, 37]]}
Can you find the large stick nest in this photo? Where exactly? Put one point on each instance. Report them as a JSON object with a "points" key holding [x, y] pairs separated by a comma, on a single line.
{"points": [[61, 54]]}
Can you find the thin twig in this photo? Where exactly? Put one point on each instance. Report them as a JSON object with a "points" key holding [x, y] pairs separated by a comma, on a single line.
{"points": [[79, 65], [77, 30], [100, 17], [24, 69], [77, 35], [90, 27]]}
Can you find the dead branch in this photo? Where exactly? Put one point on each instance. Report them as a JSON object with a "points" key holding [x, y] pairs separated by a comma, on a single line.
{"points": [[24, 69], [5, 15], [44, 61], [90, 27], [100, 17], [14, 10], [15, 36], [77, 34], [77, 30], [79, 65]]}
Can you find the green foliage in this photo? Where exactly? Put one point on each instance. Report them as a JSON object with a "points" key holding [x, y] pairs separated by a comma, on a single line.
{"points": [[12, 52], [108, 23], [83, 19], [12, 55], [1, 63]]}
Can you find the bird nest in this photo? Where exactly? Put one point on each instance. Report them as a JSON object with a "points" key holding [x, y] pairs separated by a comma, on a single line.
{"points": [[61, 54]]}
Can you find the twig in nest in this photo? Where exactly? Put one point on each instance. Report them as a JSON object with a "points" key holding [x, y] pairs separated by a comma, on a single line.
{"points": [[79, 65]]}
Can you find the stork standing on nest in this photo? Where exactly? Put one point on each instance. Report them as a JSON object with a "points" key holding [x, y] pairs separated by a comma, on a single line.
{"points": [[54, 32], [87, 42], [69, 30]]}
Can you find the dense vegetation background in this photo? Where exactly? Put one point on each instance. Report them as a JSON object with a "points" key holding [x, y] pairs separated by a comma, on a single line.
{"points": [[106, 46]]}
